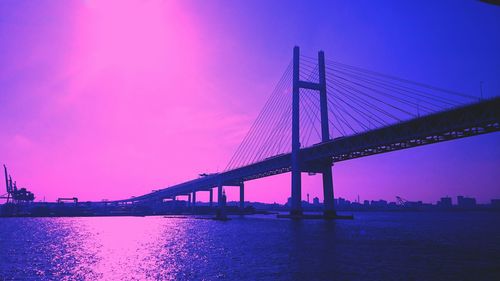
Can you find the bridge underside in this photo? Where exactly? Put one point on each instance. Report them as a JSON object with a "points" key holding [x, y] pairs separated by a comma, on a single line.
{"points": [[471, 120]]}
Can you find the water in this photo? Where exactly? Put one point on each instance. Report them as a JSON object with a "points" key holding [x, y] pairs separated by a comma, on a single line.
{"points": [[373, 246]]}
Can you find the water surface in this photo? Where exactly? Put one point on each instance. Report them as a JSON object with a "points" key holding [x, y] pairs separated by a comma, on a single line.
{"points": [[373, 246]]}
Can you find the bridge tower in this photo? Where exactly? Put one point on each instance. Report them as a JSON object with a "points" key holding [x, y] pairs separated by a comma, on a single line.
{"points": [[297, 165]]}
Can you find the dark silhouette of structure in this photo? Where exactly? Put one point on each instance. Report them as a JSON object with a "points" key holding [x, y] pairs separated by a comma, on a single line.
{"points": [[14, 194], [445, 203], [466, 202], [323, 166], [221, 210], [72, 199]]}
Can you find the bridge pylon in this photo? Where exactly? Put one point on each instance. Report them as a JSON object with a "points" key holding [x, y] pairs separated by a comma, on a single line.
{"points": [[297, 166]]}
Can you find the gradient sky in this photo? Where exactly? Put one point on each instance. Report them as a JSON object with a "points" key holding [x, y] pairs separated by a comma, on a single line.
{"points": [[109, 99]]}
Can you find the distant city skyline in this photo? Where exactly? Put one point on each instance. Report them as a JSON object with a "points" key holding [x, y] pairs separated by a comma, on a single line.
{"points": [[101, 100], [454, 200]]}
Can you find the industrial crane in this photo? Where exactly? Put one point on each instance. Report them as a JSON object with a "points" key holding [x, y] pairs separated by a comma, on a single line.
{"points": [[15, 195]]}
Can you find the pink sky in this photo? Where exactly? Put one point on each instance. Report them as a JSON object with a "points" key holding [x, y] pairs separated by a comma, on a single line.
{"points": [[109, 99]]}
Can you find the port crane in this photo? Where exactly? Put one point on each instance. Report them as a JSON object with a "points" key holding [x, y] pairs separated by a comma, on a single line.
{"points": [[14, 194], [401, 201]]}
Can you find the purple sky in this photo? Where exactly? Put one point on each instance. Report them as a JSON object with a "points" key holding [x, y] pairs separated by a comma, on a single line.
{"points": [[108, 99]]}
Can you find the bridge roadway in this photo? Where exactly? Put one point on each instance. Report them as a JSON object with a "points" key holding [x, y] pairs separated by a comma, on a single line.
{"points": [[466, 121]]}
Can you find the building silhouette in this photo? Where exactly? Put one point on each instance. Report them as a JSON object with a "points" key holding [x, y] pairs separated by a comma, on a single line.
{"points": [[445, 203], [466, 202]]}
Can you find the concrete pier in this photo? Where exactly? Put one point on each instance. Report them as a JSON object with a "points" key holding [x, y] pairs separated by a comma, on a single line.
{"points": [[219, 196], [211, 197], [328, 201], [242, 196]]}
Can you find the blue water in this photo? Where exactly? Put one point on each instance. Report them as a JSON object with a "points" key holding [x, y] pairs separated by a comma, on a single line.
{"points": [[373, 246]]}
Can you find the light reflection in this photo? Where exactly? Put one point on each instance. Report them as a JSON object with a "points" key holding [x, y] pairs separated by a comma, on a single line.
{"points": [[121, 248]]}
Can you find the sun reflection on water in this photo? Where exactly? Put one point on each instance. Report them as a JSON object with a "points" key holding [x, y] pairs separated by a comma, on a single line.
{"points": [[123, 248]]}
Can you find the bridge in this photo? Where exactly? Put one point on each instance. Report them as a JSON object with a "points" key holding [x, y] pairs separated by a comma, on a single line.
{"points": [[322, 112]]}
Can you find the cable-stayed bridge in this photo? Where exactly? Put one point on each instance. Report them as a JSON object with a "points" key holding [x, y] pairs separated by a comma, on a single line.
{"points": [[323, 111]]}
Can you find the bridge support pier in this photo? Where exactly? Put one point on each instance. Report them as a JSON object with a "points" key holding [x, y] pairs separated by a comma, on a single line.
{"points": [[242, 196], [221, 204], [211, 197], [219, 196], [189, 200], [328, 201], [194, 198]]}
